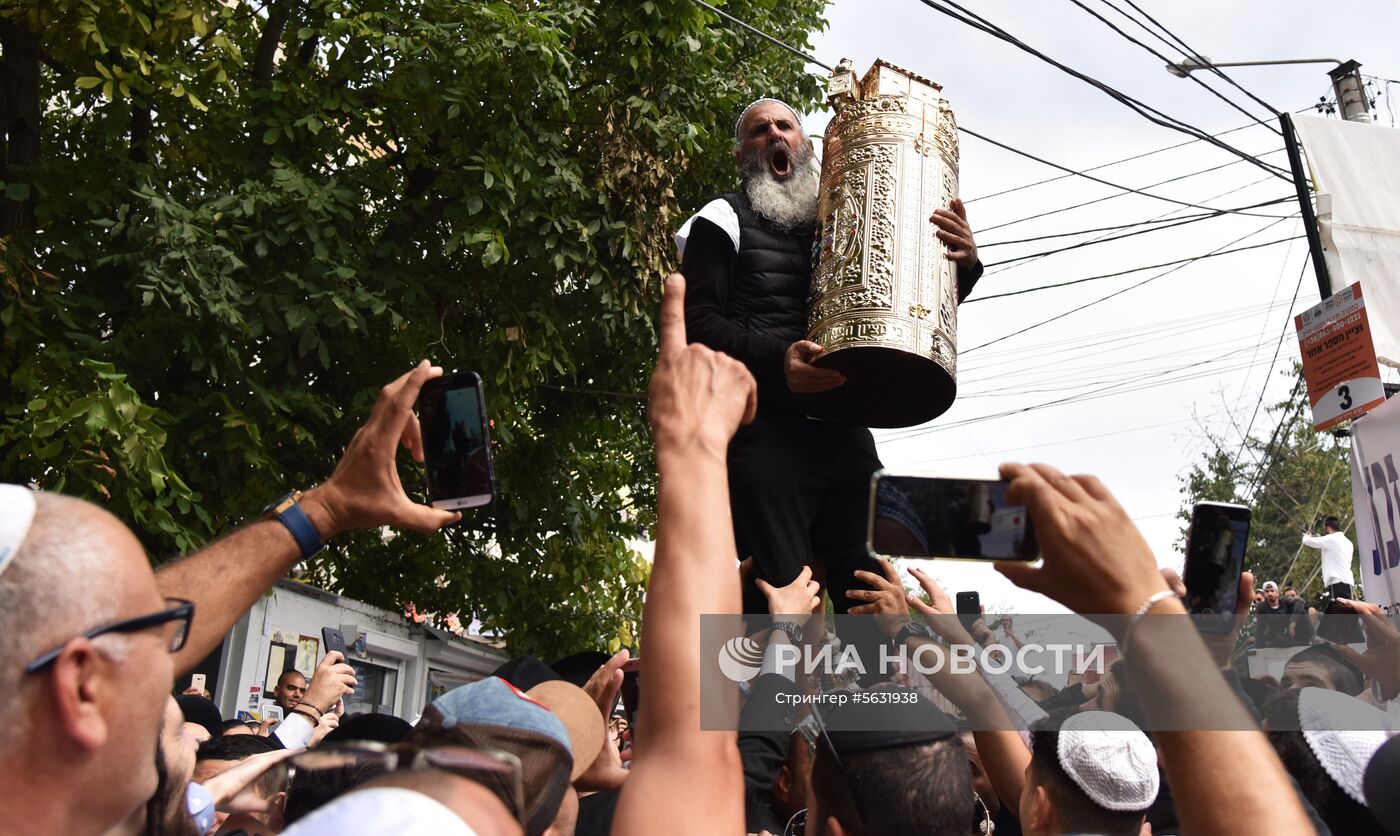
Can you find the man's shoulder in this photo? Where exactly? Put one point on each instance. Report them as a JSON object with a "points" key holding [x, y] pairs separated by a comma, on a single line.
{"points": [[720, 212]]}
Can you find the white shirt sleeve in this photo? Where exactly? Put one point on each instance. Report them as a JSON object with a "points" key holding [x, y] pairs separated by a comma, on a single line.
{"points": [[381, 810], [294, 732], [1313, 542], [717, 212]]}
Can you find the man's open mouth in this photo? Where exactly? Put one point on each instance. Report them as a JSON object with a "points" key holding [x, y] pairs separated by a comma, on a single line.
{"points": [[780, 162]]}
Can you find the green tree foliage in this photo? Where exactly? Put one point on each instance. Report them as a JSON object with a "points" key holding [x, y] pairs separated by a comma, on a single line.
{"points": [[1290, 479], [226, 224]]}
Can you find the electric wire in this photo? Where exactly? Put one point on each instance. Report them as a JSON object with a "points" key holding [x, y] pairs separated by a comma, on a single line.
{"points": [[1137, 384], [975, 21], [1180, 261], [1250, 427], [1097, 344], [1187, 50], [1162, 57], [1164, 215], [1234, 211], [1093, 302], [1160, 219], [1160, 225], [1111, 164], [1123, 188]]}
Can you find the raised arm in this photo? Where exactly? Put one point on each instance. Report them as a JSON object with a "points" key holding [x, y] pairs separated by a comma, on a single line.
{"points": [[1096, 562], [683, 779], [227, 576]]}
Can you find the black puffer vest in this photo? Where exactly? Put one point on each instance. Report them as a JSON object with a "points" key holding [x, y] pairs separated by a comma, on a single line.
{"points": [[772, 275]]}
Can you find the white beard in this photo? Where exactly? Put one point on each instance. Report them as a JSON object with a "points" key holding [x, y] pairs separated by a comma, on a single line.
{"points": [[786, 204]]}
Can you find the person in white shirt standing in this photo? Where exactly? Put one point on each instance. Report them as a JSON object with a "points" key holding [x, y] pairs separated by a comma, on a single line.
{"points": [[1336, 557]]}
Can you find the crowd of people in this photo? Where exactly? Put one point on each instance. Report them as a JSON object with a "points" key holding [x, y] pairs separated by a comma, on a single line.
{"points": [[96, 742], [1171, 740]]}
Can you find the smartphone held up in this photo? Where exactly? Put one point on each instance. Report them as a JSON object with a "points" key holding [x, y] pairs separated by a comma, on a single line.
{"points": [[1215, 550], [964, 519], [456, 442]]}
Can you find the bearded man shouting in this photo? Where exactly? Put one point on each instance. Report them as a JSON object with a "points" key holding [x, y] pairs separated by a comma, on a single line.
{"points": [[799, 485]]}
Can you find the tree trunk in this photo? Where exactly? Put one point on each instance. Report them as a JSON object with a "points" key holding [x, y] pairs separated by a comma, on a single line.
{"points": [[19, 118]]}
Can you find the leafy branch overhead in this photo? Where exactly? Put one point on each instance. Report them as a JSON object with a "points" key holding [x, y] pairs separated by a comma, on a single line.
{"points": [[226, 224]]}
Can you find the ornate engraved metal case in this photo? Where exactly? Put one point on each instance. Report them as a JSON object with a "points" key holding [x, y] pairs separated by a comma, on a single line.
{"points": [[884, 298]]}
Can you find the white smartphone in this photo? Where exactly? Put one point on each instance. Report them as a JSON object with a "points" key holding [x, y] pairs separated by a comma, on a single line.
{"points": [[270, 711], [456, 442], [197, 682]]}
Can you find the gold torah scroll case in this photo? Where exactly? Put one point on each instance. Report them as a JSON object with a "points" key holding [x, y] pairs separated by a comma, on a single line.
{"points": [[883, 299]]}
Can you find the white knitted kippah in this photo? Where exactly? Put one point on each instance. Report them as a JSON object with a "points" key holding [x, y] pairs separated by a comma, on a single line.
{"points": [[16, 515], [1343, 733], [739, 125], [1110, 759]]}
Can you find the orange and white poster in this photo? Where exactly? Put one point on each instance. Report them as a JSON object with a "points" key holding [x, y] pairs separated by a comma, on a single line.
{"points": [[1339, 359]]}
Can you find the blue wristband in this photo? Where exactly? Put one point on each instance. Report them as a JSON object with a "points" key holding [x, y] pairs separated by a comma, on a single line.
{"points": [[288, 512]]}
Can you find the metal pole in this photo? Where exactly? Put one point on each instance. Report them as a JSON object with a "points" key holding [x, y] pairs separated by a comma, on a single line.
{"points": [[1300, 182]]}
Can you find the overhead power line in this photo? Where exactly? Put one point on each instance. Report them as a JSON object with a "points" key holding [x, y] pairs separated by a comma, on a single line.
{"points": [[760, 33], [1270, 372], [1216, 93], [1157, 225], [1090, 304], [1181, 261], [1105, 198], [1117, 162], [1044, 161], [1191, 53], [972, 19]]}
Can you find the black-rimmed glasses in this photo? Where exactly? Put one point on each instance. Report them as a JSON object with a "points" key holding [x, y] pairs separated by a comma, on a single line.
{"points": [[178, 612], [494, 769]]}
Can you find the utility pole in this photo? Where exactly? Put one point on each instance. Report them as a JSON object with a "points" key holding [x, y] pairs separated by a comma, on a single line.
{"points": [[1351, 103]]}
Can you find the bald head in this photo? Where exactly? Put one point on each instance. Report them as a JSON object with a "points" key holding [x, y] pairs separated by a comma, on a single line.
{"points": [[77, 567]]}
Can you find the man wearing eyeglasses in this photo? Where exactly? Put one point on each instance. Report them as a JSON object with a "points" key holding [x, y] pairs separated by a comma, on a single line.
{"points": [[91, 639]]}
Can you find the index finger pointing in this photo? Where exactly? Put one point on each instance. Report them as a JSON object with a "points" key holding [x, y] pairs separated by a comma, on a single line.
{"points": [[673, 315]]}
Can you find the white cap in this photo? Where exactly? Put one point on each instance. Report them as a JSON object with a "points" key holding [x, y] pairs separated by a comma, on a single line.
{"points": [[1343, 733], [16, 515], [1269, 585], [739, 124], [1108, 757]]}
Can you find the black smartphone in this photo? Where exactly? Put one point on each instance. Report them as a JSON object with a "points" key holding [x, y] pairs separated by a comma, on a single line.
{"points": [[1215, 549], [969, 605], [456, 442], [1340, 625], [631, 691], [928, 516], [333, 639]]}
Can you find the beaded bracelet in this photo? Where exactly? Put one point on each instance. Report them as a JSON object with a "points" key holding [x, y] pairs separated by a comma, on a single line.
{"points": [[1146, 606]]}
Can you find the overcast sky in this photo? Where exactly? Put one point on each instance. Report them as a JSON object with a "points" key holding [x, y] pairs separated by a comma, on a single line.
{"points": [[1225, 314]]}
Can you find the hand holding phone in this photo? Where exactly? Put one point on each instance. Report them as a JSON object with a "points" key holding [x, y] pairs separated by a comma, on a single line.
{"points": [[969, 606], [197, 683], [966, 519], [456, 442], [333, 639]]}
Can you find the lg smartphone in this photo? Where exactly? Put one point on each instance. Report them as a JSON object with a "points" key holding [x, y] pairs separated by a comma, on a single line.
{"points": [[333, 639], [969, 606], [197, 682], [456, 444], [965, 519], [1215, 549]]}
